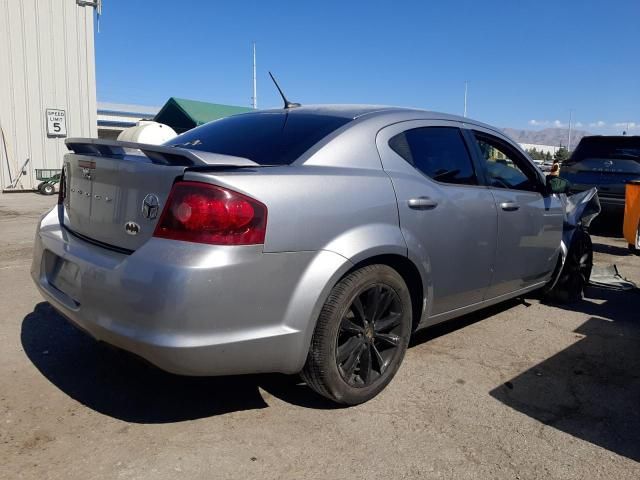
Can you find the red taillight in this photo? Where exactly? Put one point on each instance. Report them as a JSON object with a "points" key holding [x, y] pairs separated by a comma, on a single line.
{"points": [[204, 213]]}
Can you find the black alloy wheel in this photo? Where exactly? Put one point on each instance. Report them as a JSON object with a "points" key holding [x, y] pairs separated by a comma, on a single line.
{"points": [[369, 335], [361, 335]]}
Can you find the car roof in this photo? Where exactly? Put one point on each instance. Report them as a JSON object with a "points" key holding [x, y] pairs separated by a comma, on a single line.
{"points": [[379, 115], [358, 111], [336, 110], [609, 137], [354, 110]]}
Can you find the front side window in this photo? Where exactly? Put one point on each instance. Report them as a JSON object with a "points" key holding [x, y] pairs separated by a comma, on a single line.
{"points": [[503, 166], [438, 152]]}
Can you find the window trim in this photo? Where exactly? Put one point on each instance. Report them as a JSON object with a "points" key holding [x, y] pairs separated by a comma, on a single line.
{"points": [[520, 160], [479, 178]]}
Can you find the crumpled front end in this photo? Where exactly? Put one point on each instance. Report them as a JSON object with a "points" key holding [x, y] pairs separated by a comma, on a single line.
{"points": [[579, 211]]}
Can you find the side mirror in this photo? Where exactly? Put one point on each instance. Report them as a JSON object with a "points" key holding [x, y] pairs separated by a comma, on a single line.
{"points": [[557, 185]]}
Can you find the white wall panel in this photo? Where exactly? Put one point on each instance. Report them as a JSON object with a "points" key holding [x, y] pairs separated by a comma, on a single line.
{"points": [[47, 60]]}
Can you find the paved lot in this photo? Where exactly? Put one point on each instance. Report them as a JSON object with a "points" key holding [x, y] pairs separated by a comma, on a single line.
{"points": [[513, 392]]}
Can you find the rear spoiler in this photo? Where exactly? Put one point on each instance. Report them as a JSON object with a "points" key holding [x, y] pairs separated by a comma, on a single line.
{"points": [[159, 154]]}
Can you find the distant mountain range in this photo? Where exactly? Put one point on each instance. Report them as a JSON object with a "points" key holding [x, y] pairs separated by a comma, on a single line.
{"points": [[548, 136]]}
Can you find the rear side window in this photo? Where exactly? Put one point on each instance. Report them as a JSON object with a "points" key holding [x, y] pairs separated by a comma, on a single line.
{"points": [[438, 152], [266, 138]]}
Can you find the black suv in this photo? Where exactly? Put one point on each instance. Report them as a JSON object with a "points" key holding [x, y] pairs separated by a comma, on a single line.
{"points": [[607, 163]]}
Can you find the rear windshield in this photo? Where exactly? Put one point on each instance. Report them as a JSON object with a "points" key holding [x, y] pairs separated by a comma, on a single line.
{"points": [[266, 138], [607, 147]]}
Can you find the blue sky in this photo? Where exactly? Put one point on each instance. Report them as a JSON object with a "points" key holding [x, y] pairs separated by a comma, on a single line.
{"points": [[528, 63]]}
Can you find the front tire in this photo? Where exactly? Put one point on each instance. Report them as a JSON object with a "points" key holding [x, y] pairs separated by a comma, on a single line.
{"points": [[361, 336], [576, 271]]}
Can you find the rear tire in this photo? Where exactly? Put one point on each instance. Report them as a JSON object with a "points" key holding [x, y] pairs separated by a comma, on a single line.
{"points": [[361, 336]]}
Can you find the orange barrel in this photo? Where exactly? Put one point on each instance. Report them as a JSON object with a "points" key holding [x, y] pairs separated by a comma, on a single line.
{"points": [[631, 226]]}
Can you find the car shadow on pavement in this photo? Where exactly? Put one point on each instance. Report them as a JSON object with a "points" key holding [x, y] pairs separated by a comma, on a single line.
{"points": [[590, 390], [441, 329], [123, 386], [611, 250]]}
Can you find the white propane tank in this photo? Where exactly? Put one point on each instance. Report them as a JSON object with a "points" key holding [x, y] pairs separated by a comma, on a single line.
{"points": [[147, 131]]}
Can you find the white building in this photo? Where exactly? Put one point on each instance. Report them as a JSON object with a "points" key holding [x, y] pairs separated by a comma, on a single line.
{"points": [[541, 148], [115, 117], [47, 83]]}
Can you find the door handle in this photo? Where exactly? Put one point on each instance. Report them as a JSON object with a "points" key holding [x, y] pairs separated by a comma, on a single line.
{"points": [[509, 206], [422, 203]]}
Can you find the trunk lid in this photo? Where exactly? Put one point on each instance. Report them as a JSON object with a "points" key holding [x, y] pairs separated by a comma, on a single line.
{"points": [[114, 192]]}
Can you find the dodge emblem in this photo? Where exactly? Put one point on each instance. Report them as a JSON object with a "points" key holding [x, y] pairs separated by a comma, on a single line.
{"points": [[132, 228], [150, 206]]}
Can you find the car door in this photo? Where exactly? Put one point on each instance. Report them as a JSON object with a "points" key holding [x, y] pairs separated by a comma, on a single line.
{"points": [[448, 219], [529, 220]]}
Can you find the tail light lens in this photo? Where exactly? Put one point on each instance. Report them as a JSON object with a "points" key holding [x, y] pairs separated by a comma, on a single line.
{"points": [[204, 213]]}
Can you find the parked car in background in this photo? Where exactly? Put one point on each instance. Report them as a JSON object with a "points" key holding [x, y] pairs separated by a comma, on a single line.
{"points": [[605, 162], [308, 239], [547, 166]]}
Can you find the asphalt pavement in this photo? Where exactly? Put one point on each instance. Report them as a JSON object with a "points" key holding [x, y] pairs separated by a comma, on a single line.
{"points": [[522, 390]]}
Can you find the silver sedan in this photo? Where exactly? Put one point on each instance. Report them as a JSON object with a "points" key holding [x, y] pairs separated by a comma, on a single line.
{"points": [[312, 240]]}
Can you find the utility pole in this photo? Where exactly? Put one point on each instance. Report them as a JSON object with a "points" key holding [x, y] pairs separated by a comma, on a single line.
{"points": [[255, 87], [570, 120], [466, 85]]}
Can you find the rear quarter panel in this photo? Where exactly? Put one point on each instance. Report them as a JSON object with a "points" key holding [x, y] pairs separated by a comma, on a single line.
{"points": [[349, 211]]}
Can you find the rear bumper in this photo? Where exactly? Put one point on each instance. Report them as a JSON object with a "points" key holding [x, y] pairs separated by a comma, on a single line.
{"points": [[187, 308]]}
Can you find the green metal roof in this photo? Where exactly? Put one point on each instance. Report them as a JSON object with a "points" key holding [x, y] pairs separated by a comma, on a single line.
{"points": [[182, 114]]}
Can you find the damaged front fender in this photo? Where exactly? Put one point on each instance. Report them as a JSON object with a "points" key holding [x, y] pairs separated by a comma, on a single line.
{"points": [[579, 211]]}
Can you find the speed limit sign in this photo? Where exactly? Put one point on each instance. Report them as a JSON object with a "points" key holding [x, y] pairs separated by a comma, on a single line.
{"points": [[56, 122]]}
